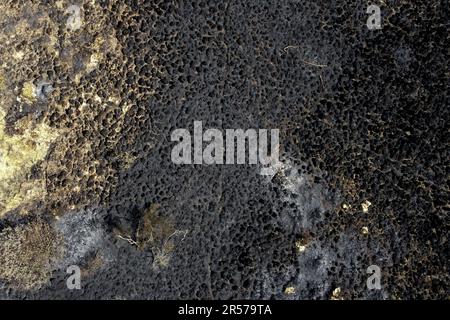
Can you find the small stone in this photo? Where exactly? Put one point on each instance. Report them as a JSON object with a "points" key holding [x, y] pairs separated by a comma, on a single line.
{"points": [[300, 245], [365, 206], [336, 295], [44, 90]]}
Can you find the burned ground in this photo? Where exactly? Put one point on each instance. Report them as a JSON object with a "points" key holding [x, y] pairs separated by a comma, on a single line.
{"points": [[86, 116]]}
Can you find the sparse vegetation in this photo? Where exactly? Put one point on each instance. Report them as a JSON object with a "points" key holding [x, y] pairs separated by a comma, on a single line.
{"points": [[26, 255], [93, 265], [157, 235]]}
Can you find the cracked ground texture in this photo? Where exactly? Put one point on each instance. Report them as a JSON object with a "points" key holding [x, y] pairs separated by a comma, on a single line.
{"points": [[90, 92]]}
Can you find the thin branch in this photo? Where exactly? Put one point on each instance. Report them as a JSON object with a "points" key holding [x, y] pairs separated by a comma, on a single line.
{"points": [[128, 239], [290, 47], [314, 64]]}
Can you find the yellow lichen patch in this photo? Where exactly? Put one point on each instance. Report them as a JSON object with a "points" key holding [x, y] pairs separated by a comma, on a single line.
{"points": [[18, 154], [289, 290], [29, 91], [27, 253]]}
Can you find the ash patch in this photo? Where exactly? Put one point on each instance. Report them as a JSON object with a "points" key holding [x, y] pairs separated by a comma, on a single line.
{"points": [[83, 234], [325, 263]]}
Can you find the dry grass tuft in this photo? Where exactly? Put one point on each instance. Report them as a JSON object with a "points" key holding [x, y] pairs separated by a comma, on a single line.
{"points": [[26, 255]]}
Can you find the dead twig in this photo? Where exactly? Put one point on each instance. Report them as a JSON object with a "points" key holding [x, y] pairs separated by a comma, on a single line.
{"points": [[311, 63], [290, 47], [128, 239], [314, 64]]}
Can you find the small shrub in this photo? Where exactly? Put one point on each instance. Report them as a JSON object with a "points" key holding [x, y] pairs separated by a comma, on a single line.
{"points": [[158, 235]]}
